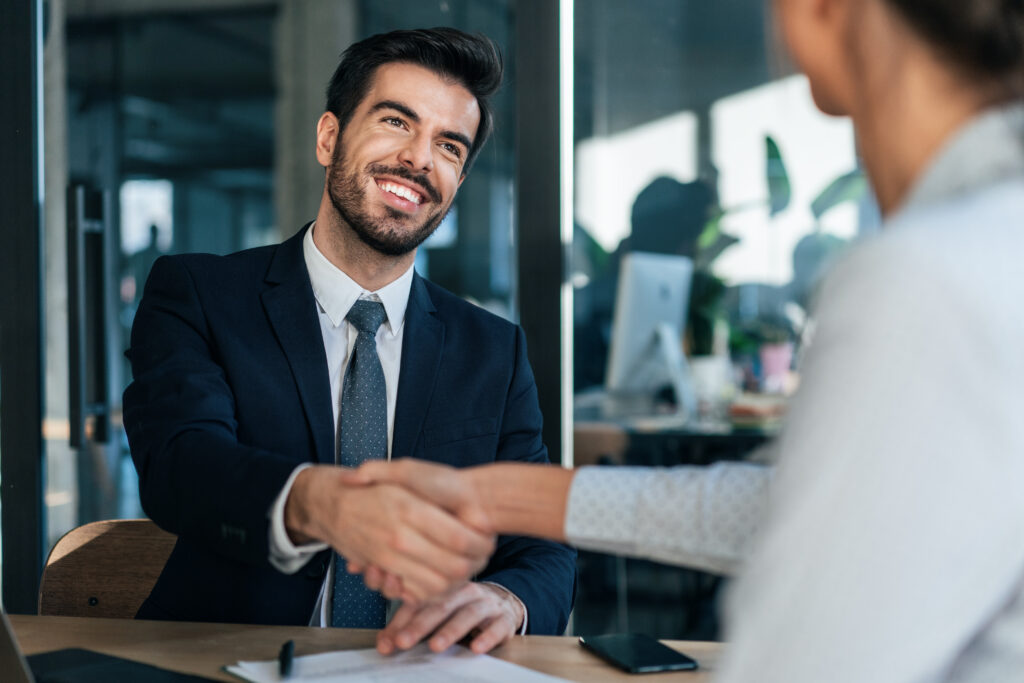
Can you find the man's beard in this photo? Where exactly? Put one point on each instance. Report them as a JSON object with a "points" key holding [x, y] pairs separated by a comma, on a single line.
{"points": [[383, 235]]}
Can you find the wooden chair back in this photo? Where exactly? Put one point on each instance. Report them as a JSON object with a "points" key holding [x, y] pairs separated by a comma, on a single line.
{"points": [[104, 569]]}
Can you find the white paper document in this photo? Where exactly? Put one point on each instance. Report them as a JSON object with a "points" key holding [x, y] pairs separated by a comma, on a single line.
{"points": [[457, 664]]}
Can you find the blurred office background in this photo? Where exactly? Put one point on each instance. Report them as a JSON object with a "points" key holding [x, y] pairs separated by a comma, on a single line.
{"points": [[667, 126]]}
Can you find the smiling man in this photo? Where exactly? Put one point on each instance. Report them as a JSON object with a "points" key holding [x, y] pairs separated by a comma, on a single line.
{"points": [[258, 374]]}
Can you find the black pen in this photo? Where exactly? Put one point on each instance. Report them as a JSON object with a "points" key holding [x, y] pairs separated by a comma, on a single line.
{"points": [[285, 659]]}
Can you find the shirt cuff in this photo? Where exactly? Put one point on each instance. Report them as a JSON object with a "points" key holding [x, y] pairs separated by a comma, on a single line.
{"points": [[285, 556], [526, 614]]}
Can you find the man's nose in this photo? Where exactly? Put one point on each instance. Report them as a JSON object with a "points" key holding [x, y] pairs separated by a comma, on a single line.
{"points": [[417, 155]]}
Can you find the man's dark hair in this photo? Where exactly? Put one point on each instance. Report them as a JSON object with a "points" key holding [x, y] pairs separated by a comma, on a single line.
{"points": [[472, 61]]}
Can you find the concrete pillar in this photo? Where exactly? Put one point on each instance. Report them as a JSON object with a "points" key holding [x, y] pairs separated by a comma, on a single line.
{"points": [[311, 35]]}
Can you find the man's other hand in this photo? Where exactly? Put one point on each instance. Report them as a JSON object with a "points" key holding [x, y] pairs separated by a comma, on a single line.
{"points": [[386, 526], [489, 614]]}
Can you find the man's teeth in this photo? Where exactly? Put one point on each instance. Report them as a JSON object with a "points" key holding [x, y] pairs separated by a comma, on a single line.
{"points": [[401, 191]]}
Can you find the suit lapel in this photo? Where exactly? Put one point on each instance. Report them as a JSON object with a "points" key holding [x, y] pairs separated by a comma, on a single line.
{"points": [[422, 344], [291, 309]]}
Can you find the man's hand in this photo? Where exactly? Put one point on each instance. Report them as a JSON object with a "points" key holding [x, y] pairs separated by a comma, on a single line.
{"points": [[421, 546], [453, 489], [509, 498], [489, 613]]}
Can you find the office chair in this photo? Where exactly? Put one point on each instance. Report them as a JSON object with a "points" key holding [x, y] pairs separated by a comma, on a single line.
{"points": [[104, 569]]}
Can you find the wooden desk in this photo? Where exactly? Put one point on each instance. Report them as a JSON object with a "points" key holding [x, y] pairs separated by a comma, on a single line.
{"points": [[204, 648]]}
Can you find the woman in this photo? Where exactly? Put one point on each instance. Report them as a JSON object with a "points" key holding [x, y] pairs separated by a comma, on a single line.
{"points": [[893, 546]]}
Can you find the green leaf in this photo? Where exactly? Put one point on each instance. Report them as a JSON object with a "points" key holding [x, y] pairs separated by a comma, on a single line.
{"points": [[779, 191], [712, 241], [845, 188], [711, 230], [712, 251]]}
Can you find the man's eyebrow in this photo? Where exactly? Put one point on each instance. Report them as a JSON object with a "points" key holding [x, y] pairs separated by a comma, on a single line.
{"points": [[397, 106], [413, 116], [458, 137]]}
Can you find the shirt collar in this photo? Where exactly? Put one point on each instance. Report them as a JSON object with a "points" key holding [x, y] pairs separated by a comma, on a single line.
{"points": [[987, 149], [336, 292]]}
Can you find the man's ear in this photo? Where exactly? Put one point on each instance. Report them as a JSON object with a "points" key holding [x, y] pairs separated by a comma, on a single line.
{"points": [[327, 133]]}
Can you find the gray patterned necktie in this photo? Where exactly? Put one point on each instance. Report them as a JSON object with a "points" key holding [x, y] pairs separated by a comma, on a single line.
{"points": [[362, 435]]}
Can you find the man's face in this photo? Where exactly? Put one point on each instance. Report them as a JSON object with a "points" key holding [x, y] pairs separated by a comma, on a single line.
{"points": [[398, 163]]}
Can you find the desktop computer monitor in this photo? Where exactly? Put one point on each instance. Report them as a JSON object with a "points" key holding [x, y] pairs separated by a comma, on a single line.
{"points": [[646, 351]]}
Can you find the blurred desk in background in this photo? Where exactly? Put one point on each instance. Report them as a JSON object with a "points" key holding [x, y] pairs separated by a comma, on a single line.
{"points": [[651, 442], [622, 594]]}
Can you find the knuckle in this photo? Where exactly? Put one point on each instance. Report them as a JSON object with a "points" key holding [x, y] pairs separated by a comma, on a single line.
{"points": [[425, 622], [438, 584], [462, 568], [460, 542], [397, 539], [478, 611], [473, 544], [384, 558], [419, 589]]}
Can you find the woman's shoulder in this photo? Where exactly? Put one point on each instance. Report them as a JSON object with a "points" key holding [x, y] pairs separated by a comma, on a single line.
{"points": [[981, 229], [945, 260], [992, 212]]}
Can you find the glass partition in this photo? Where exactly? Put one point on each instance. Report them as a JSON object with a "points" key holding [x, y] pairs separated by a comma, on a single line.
{"points": [[163, 125], [693, 142], [190, 128]]}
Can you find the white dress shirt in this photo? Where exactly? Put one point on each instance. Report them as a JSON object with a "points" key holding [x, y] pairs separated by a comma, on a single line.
{"points": [[893, 539]]}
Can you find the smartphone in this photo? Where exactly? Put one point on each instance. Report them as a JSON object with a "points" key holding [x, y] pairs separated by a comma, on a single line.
{"points": [[637, 653]]}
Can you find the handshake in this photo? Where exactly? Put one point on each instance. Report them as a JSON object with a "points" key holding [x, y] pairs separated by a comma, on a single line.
{"points": [[419, 531]]}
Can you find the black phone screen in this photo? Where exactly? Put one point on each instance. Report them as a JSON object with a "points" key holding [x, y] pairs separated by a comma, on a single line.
{"points": [[637, 653]]}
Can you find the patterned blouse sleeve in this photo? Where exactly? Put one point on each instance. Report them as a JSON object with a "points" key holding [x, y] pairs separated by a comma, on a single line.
{"points": [[701, 517]]}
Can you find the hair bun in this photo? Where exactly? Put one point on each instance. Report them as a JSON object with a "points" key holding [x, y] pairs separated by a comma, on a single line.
{"points": [[983, 36]]}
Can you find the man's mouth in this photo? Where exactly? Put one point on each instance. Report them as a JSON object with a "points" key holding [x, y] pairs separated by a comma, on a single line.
{"points": [[402, 191]]}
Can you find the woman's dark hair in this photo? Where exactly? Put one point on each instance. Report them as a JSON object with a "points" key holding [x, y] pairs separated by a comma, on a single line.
{"points": [[984, 37], [472, 61]]}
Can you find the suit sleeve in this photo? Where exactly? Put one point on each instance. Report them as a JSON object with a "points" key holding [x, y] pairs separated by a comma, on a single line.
{"points": [[195, 478], [541, 573]]}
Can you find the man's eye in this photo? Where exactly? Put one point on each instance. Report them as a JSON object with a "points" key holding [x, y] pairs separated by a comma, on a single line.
{"points": [[394, 121], [452, 149]]}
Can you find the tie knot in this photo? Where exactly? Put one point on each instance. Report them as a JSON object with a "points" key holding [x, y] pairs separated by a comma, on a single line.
{"points": [[367, 316]]}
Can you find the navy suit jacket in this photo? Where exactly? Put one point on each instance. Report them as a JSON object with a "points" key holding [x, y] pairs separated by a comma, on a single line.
{"points": [[231, 393]]}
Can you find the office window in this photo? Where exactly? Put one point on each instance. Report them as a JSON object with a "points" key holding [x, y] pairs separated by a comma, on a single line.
{"points": [[691, 139], [693, 143]]}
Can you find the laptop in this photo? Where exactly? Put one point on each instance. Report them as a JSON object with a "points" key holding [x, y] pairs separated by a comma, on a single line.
{"points": [[13, 667], [76, 666]]}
